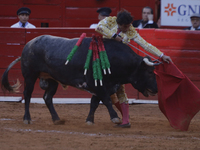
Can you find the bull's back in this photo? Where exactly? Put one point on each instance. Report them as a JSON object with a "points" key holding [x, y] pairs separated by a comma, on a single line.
{"points": [[51, 48], [47, 47], [47, 44], [48, 54]]}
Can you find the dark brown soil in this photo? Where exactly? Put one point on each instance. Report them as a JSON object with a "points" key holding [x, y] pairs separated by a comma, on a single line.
{"points": [[149, 129]]}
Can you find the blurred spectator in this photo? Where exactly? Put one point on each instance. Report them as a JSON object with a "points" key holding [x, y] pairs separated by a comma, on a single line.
{"points": [[23, 16], [195, 20], [147, 19], [103, 12], [159, 22]]}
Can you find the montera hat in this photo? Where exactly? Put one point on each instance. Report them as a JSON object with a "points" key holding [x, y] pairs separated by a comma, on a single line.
{"points": [[24, 10], [195, 15], [104, 11]]}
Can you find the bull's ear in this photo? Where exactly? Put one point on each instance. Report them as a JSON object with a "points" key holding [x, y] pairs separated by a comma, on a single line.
{"points": [[143, 65]]}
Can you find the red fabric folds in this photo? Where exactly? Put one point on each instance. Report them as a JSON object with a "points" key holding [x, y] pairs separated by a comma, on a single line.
{"points": [[178, 97]]}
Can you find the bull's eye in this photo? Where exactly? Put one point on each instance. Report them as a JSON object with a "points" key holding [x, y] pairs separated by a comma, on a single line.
{"points": [[150, 72]]}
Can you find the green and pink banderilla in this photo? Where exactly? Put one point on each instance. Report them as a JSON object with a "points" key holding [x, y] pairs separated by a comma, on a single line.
{"points": [[69, 57]]}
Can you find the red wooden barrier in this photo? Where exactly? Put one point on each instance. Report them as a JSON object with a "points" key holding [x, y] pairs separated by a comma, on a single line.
{"points": [[182, 46]]}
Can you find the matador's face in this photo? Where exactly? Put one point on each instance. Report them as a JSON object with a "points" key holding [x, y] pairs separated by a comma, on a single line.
{"points": [[124, 28]]}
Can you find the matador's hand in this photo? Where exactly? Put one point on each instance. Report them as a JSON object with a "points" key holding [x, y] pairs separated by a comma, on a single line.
{"points": [[118, 38], [166, 59]]}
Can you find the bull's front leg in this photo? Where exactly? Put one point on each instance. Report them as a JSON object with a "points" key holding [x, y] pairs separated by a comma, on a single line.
{"points": [[107, 102], [94, 103], [113, 115]]}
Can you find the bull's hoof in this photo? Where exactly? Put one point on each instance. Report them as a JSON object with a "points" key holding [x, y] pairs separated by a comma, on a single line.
{"points": [[59, 122], [128, 125], [89, 123], [27, 122], [116, 120]]}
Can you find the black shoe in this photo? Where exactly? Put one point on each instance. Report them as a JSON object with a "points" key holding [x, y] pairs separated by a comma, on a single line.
{"points": [[128, 125]]}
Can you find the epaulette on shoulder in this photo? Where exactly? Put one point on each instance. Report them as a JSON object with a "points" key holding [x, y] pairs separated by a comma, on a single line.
{"points": [[131, 32], [111, 20]]}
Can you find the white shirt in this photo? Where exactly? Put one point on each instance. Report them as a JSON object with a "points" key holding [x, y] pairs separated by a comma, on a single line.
{"points": [[192, 28], [19, 25], [93, 26], [142, 26]]}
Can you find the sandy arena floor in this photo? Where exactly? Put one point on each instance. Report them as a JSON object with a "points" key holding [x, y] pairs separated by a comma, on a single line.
{"points": [[149, 130]]}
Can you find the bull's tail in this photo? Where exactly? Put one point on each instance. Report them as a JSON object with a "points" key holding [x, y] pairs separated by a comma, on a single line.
{"points": [[5, 85]]}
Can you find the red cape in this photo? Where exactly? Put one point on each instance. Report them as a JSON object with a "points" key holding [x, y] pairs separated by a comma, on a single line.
{"points": [[178, 97]]}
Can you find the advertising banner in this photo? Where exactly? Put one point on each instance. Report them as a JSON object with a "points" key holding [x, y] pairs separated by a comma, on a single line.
{"points": [[178, 12]]}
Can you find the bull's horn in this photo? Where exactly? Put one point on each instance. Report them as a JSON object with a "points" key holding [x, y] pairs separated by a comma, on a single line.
{"points": [[148, 62], [155, 61], [151, 63], [158, 62]]}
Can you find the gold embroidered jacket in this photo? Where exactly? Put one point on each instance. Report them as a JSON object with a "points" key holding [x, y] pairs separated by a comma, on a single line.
{"points": [[108, 27]]}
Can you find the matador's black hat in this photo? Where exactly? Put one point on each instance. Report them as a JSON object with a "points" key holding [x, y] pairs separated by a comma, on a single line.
{"points": [[104, 11]]}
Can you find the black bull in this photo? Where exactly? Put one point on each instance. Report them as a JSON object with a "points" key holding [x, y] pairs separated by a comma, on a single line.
{"points": [[44, 57]]}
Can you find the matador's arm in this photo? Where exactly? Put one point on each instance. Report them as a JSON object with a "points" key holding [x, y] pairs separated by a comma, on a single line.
{"points": [[132, 34]]}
